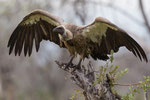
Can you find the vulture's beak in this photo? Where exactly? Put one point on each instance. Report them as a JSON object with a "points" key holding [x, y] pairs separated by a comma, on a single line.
{"points": [[59, 30]]}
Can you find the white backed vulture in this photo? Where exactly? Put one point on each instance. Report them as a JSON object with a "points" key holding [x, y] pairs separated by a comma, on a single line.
{"points": [[96, 39]]}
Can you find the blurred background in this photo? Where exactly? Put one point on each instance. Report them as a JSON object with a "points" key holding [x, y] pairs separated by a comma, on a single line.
{"points": [[38, 77]]}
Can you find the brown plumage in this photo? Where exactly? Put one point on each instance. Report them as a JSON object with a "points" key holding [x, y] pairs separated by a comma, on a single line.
{"points": [[96, 39]]}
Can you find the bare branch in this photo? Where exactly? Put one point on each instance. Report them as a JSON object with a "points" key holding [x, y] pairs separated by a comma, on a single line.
{"points": [[144, 15], [145, 95], [133, 84], [79, 7]]}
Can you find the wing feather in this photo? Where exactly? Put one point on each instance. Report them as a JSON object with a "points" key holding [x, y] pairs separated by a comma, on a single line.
{"points": [[18, 41], [22, 41], [36, 26], [36, 38], [107, 36], [26, 44], [46, 28], [43, 29], [39, 32], [13, 39], [31, 35], [138, 49]]}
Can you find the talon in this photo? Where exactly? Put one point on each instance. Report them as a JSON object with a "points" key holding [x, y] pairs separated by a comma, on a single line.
{"points": [[68, 65]]}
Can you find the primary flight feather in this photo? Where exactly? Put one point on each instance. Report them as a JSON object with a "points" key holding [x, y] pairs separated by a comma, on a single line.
{"points": [[96, 39]]}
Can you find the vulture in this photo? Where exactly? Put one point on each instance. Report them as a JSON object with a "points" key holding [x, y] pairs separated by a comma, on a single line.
{"points": [[96, 39]]}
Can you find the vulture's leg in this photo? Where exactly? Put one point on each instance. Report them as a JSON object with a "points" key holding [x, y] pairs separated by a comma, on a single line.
{"points": [[78, 66], [70, 62]]}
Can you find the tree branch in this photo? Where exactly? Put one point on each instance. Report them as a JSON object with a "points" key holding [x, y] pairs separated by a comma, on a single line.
{"points": [[144, 15], [145, 95], [85, 78]]}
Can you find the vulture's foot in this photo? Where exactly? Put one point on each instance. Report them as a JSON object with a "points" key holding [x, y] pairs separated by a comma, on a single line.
{"points": [[69, 64], [77, 66], [66, 66]]}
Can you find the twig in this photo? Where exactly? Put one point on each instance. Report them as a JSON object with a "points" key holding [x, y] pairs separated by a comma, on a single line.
{"points": [[133, 84]]}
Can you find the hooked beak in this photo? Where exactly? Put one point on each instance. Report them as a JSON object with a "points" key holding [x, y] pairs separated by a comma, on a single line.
{"points": [[59, 30]]}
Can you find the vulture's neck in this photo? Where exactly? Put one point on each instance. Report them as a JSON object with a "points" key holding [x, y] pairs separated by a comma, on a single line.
{"points": [[72, 28]]}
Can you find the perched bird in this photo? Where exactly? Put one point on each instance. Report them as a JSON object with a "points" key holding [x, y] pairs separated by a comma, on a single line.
{"points": [[96, 39]]}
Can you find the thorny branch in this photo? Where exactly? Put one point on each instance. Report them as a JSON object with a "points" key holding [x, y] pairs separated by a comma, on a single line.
{"points": [[85, 78]]}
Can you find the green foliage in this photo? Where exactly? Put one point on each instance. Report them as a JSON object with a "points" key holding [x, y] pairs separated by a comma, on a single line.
{"points": [[111, 70], [136, 88], [129, 95], [77, 95]]}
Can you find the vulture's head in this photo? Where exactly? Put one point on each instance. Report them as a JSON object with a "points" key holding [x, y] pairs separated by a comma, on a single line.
{"points": [[64, 34]]}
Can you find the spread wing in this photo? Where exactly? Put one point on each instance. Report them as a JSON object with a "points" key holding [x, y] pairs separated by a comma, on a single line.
{"points": [[106, 36], [36, 26]]}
